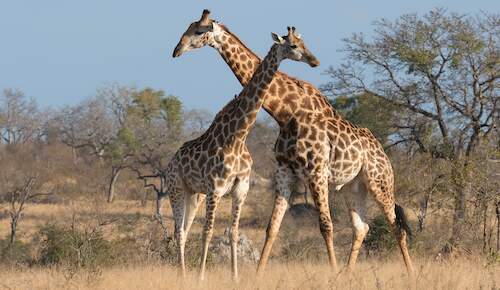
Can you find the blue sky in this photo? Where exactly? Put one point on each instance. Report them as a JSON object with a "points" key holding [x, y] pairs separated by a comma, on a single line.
{"points": [[59, 52]]}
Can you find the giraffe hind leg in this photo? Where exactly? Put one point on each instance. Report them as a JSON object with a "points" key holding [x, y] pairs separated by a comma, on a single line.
{"points": [[239, 195], [211, 205], [284, 177], [177, 202], [385, 199], [319, 190], [192, 204]]}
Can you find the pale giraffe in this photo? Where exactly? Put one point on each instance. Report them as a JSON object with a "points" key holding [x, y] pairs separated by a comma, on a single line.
{"points": [[218, 161], [315, 144]]}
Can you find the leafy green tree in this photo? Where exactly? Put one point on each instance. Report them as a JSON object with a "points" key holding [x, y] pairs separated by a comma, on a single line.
{"points": [[152, 131], [367, 111], [442, 71]]}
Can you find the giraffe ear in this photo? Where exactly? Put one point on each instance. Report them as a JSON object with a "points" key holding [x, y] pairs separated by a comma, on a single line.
{"points": [[298, 35], [277, 39]]}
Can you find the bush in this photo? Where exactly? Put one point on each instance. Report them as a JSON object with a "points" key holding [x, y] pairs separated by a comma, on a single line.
{"points": [[380, 237], [15, 254], [68, 246], [305, 249]]}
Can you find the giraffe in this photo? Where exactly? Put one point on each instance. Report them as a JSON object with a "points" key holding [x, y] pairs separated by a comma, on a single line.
{"points": [[218, 161], [315, 145]]}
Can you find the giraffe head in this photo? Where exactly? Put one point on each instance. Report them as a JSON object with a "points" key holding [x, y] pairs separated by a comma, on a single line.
{"points": [[291, 46], [198, 34]]}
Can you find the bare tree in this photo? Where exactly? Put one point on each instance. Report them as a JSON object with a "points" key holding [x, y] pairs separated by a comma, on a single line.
{"points": [[17, 200], [20, 118], [23, 175]]}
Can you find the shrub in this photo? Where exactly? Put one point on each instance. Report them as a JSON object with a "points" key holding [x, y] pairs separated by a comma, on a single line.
{"points": [[305, 249], [68, 246], [380, 237], [15, 254]]}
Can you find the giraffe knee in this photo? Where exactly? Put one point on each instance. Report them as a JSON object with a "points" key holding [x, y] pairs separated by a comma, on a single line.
{"points": [[234, 235], [360, 228]]}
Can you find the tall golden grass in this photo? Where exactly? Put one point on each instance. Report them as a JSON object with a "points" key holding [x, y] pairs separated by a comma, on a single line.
{"points": [[467, 272], [457, 274]]}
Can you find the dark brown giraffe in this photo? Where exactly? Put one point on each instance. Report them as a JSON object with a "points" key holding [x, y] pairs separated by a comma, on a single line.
{"points": [[315, 144], [218, 161]]}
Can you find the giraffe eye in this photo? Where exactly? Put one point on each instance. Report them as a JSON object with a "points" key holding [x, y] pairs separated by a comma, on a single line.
{"points": [[293, 46], [198, 32]]}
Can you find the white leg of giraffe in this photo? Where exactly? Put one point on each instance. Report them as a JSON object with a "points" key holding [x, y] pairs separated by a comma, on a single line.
{"points": [[356, 204], [239, 195], [177, 202], [284, 178], [192, 204]]}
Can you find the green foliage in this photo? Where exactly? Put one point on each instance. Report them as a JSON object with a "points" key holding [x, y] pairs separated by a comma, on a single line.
{"points": [[68, 246], [380, 237], [367, 111], [172, 112], [146, 104]]}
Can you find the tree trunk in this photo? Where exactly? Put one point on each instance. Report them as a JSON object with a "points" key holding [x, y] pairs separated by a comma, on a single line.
{"points": [[73, 152], [463, 187], [13, 230], [144, 199], [459, 215], [498, 225], [485, 228], [115, 172], [422, 212]]}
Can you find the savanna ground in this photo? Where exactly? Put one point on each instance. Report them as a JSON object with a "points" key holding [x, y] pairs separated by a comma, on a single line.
{"points": [[136, 259]]}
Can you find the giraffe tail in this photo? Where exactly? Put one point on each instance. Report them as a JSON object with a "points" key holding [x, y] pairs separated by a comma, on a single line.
{"points": [[401, 220]]}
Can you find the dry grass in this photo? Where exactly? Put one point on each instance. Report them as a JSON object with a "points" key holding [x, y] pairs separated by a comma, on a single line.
{"points": [[460, 274], [388, 273]]}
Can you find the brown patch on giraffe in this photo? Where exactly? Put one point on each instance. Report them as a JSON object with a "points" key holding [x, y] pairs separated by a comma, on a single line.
{"points": [[306, 104], [272, 89], [273, 105], [314, 133]]}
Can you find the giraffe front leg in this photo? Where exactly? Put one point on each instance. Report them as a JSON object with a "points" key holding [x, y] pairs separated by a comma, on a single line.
{"points": [[284, 177], [355, 201], [239, 196], [211, 204], [318, 184]]}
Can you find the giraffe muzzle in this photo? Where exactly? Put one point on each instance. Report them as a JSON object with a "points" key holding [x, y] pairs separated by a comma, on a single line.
{"points": [[313, 61], [177, 51]]}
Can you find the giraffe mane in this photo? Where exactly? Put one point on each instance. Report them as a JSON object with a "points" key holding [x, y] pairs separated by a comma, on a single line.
{"points": [[224, 27]]}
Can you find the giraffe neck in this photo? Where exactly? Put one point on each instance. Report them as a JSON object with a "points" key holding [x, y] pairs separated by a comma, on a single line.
{"points": [[242, 61], [250, 100]]}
